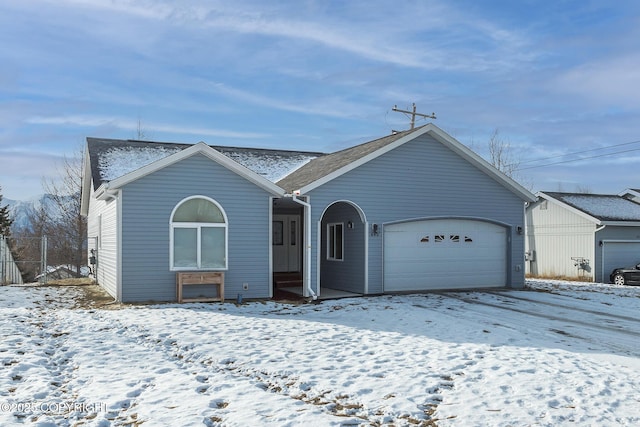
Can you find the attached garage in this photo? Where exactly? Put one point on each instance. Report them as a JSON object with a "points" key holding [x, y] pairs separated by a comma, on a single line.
{"points": [[584, 236], [430, 254], [619, 253], [410, 211]]}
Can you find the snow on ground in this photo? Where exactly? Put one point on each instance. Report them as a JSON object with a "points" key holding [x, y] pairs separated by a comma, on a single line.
{"points": [[558, 354]]}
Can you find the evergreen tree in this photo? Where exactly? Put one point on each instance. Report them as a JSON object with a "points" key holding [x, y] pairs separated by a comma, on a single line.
{"points": [[5, 220]]}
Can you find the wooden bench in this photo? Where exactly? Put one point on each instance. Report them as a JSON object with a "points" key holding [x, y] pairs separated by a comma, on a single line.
{"points": [[215, 278]]}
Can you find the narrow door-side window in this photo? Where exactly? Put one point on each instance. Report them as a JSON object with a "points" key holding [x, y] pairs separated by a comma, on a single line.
{"points": [[335, 241]]}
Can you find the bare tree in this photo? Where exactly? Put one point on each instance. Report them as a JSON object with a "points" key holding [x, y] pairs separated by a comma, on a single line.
{"points": [[583, 189], [140, 133], [27, 241], [503, 157], [66, 227]]}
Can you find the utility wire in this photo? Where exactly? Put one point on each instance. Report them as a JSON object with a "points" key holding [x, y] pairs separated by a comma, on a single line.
{"points": [[577, 160], [580, 152]]}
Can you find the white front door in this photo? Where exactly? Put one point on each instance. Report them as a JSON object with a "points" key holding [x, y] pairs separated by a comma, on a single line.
{"points": [[286, 243]]}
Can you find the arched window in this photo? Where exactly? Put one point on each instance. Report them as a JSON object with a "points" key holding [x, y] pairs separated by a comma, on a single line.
{"points": [[198, 235]]}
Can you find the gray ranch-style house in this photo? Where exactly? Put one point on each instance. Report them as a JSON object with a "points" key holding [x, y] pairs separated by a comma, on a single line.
{"points": [[412, 211], [583, 236]]}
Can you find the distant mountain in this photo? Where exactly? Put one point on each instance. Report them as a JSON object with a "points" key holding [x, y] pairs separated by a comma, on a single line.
{"points": [[19, 210]]}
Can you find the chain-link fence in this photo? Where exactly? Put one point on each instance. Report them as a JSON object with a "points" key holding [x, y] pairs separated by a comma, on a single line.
{"points": [[9, 271], [23, 259]]}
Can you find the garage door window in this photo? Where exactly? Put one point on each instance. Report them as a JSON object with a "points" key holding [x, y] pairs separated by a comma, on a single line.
{"points": [[335, 241], [442, 238]]}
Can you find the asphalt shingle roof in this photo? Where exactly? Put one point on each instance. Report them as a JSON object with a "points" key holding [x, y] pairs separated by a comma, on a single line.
{"points": [[604, 207], [113, 158], [324, 165]]}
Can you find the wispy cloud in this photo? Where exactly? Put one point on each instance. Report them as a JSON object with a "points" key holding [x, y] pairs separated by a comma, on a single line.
{"points": [[328, 107], [606, 81], [320, 74], [370, 30], [90, 121]]}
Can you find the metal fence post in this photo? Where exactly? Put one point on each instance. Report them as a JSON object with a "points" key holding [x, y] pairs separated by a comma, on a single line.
{"points": [[2, 261], [43, 261]]}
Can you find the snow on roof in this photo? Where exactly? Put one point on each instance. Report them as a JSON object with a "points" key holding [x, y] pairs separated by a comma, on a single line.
{"points": [[271, 165], [115, 158], [119, 161], [603, 207]]}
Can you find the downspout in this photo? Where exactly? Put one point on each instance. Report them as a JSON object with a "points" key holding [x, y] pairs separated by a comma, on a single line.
{"points": [[307, 239], [602, 277]]}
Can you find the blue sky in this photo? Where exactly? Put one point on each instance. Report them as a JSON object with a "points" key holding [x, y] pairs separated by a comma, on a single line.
{"points": [[555, 78]]}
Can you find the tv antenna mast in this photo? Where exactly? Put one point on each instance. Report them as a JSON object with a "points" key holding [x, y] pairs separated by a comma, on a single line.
{"points": [[414, 114]]}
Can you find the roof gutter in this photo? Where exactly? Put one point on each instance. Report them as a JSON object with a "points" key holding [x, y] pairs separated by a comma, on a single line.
{"points": [[307, 240], [105, 193]]}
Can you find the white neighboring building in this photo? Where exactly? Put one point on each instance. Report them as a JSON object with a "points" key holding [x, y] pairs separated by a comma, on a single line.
{"points": [[9, 271], [582, 236]]}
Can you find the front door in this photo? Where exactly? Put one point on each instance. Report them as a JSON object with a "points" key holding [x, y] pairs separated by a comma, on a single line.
{"points": [[286, 243]]}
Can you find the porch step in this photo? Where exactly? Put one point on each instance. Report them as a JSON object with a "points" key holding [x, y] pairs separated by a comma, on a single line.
{"points": [[287, 280], [288, 283]]}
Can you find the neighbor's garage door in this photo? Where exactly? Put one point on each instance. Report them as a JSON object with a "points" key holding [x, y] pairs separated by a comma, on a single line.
{"points": [[619, 254], [444, 254]]}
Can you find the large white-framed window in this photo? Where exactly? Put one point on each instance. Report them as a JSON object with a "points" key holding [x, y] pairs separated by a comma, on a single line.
{"points": [[335, 241], [198, 239]]}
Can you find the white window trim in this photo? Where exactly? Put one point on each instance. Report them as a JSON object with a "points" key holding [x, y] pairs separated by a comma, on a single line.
{"points": [[99, 232], [331, 241], [198, 226]]}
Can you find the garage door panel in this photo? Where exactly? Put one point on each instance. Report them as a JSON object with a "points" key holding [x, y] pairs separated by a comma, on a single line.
{"points": [[619, 254], [444, 254]]}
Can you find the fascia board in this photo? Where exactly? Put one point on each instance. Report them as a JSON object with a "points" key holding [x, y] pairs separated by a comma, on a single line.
{"points": [[482, 164], [246, 173], [199, 148], [629, 191], [361, 161], [442, 137], [570, 208], [87, 183], [621, 223]]}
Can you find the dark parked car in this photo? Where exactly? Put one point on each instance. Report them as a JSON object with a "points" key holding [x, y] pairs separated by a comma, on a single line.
{"points": [[626, 276]]}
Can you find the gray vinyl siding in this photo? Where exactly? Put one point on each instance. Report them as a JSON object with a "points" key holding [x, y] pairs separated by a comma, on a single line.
{"points": [[348, 274], [555, 235], [146, 210], [629, 233], [106, 268], [422, 179]]}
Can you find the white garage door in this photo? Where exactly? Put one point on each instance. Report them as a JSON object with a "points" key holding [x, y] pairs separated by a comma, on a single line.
{"points": [[619, 254], [444, 254]]}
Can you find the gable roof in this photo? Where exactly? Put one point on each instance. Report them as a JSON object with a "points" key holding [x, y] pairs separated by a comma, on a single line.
{"points": [[112, 158], [109, 163], [326, 168], [630, 193], [323, 166], [599, 208]]}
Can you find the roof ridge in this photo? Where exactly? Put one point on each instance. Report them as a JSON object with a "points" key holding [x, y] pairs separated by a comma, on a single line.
{"points": [[324, 165], [393, 134], [581, 194], [140, 142]]}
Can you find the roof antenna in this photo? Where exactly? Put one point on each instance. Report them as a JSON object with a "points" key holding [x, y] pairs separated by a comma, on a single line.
{"points": [[414, 114]]}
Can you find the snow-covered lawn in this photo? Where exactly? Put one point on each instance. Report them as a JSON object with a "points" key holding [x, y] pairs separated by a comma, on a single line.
{"points": [[568, 354]]}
